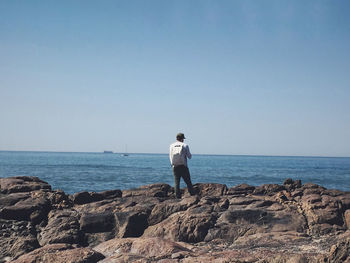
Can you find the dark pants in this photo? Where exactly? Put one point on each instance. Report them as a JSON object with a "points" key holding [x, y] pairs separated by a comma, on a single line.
{"points": [[182, 171]]}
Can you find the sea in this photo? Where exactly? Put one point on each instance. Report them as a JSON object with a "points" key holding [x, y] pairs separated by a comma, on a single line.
{"points": [[95, 172]]}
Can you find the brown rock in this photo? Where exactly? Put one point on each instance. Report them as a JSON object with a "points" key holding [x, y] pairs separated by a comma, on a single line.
{"points": [[189, 226], [268, 189], [86, 197], [111, 194], [59, 200], [165, 209], [210, 189], [340, 253], [235, 223], [347, 218], [63, 227], [242, 189], [33, 207], [61, 253], [12, 199], [153, 190], [131, 224], [143, 248], [97, 222], [16, 238], [90, 197], [292, 184], [344, 199], [22, 184], [98, 227], [323, 212]]}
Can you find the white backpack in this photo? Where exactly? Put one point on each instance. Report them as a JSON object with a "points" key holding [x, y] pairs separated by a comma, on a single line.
{"points": [[176, 155]]}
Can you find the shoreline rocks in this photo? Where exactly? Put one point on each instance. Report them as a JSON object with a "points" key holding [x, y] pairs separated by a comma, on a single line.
{"points": [[287, 223]]}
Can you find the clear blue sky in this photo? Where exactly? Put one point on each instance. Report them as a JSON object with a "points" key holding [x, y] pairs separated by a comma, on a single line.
{"points": [[237, 77]]}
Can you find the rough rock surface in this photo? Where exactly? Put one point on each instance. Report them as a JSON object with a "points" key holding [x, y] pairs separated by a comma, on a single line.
{"points": [[271, 223]]}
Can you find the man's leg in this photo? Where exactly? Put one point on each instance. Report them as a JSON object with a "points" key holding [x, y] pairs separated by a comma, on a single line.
{"points": [[187, 178], [177, 176]]}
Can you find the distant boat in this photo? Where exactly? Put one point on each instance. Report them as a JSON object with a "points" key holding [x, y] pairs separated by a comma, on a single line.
{"points": [[126, 151], [107, 152]]}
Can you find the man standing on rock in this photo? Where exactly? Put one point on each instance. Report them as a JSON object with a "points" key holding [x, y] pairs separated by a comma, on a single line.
{"points": [[178, 154]]}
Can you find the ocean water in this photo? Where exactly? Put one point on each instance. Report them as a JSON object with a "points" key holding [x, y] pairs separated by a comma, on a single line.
{"points": [[76, 172]]}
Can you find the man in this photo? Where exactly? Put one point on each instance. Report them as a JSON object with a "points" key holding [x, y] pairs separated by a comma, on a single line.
{"points": [[178, 154]]}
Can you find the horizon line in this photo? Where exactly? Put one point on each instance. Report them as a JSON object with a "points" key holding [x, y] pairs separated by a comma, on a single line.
{"points": [[212, 154]]}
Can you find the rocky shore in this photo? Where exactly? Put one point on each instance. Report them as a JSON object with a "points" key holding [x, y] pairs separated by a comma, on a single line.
{"points": [[287, 223]]}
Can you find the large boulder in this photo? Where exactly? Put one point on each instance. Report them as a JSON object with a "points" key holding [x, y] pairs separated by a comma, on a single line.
{"points": [[323, 212], [13, 198], [22, 184], [31, 207], [97, 222], [131, 224], [98, 227], [164, 209], [190, 226], [62, 227], [255, 217]]}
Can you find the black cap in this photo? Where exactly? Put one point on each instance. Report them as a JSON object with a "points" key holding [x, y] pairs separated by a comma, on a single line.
{"points": [[180, 136]]}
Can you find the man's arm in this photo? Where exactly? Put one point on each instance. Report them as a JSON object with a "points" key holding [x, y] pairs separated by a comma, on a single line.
{"points": [[170, 155], [188, 153]]}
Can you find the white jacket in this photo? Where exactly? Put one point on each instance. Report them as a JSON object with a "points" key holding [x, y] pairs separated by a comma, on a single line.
{"points": [[184, 154]]}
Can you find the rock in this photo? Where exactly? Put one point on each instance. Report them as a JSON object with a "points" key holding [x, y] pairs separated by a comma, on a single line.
{"points": [[89, 197], [291, 184], [210, 189], [156, 247], [313, 186], [16, 238], [97, 222], [86, 197], [59, 253], [344, 199], [323, 212], [98, 227], [347, 218], [163, 210], [340, 253], [270, 223], [22, 184], [33, 207], [242, 189], [190, 226], [236, 223], [59, 200], [63, 227], [111, 194], [153, 190], [131, 224], [143, 248], [268, 189], [12, 199]]}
